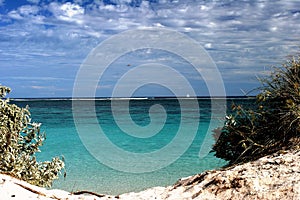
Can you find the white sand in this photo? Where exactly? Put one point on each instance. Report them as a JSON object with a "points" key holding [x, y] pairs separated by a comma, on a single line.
{"points": [[271, 177]]}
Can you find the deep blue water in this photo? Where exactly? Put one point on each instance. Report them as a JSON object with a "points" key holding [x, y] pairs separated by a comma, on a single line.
{"points": [[85, 172]]}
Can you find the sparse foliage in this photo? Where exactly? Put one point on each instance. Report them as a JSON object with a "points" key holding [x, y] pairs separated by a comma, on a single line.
{"points": [[20, 139], [272, 124]]}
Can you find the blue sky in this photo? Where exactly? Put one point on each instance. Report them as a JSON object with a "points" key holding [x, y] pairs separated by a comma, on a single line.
{"points": [[43, 43]]}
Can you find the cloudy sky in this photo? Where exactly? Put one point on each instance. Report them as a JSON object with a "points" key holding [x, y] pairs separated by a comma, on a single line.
{"points": [[43, 43]]}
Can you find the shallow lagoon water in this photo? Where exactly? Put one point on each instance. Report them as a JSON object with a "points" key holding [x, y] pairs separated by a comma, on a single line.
{"points": [[84, 172]]}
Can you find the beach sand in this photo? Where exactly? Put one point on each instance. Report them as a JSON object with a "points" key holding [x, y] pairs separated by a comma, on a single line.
{"points": [[271, 177]]}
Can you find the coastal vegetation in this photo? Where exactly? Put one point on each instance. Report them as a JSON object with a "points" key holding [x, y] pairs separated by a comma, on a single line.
{"points": [[20, 139], [272, 124]]}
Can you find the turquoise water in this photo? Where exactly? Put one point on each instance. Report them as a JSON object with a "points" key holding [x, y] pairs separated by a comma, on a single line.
{"points": [[84, 172]]}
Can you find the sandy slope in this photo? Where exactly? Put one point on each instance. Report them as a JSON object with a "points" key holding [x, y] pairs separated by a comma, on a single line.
{"points": [[271, 177]]}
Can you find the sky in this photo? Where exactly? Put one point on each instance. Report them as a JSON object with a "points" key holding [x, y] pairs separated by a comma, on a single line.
{"points": [[44, 43]]}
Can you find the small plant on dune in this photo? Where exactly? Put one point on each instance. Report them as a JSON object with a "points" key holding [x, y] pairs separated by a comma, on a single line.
{"points": [[272, 124], [20, 139]]}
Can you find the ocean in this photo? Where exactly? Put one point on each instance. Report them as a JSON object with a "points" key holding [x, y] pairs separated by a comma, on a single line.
{"points": [[144, 142]]}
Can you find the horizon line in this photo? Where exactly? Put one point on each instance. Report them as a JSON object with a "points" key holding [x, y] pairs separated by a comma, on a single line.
{"points": [[132, 98]]}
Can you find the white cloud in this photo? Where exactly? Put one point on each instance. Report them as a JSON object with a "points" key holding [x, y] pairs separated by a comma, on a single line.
{"points": [[208, 45], [67, 12], [28, 10], [38, 87], [71, 10], [34, 1], [204, 8], [15, 15]]}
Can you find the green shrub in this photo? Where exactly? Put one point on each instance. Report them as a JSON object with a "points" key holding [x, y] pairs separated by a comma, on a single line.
{"points": [[272, 124], [20, 139]]}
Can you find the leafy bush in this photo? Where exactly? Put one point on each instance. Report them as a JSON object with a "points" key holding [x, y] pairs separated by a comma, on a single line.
{"points": [[20, 139], [272, 124]]}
